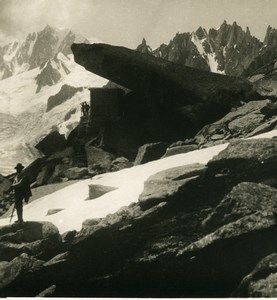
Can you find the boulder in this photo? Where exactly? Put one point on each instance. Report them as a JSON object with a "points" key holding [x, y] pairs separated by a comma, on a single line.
{"points": [[4, 184], [261, 282], [179, 150], [75, 173], [32, 231], [149, 152], [5, 200], [246, 198], [241, 122], [10, 271], [168, 185], [45, 174], [99, 161], [51, 143], [97, 190], [34, 169], [47, 292], [136, 70], [265, 127], [245, 160], [40, 239], [59, 170], [53, 211], [40, 249], [120, 163], [69, 235], [59, 155]]}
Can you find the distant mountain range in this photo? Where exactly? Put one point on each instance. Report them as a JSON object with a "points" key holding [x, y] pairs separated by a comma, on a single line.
{"points": [[35, 50], [228, 50]]}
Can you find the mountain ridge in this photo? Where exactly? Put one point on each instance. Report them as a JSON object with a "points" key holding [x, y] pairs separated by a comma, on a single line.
{"points": [[228, 50]]}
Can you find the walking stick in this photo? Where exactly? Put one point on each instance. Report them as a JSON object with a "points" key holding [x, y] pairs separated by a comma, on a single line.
{"points": [[12, 213]]}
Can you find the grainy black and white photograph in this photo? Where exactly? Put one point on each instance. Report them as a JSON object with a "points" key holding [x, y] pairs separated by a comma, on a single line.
{"points": [[138, 148]]}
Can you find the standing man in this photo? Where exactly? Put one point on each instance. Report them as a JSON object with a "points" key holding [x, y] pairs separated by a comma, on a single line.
{"points": [[22, 191]]}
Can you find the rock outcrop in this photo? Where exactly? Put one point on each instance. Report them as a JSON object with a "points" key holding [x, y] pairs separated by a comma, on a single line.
{"points": [[169, 185], [35, 239], [254, 117], [149, 152], [178, 82], [52, 143], [261, 282], [99, 161], [66, 92]]}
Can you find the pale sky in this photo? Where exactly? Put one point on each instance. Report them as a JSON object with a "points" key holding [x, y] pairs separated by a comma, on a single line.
{"points": [[126, 22]]}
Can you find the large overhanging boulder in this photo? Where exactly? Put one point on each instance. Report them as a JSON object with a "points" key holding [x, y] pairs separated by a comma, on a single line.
{"points": [[141, 72]]}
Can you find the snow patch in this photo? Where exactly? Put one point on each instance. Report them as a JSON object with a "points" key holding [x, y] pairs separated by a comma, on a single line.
{"points": [[30, 50], [209, 57], [11, 52]]}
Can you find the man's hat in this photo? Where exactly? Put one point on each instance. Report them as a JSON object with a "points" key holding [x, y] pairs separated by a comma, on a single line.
{"points": [[19, 166]]}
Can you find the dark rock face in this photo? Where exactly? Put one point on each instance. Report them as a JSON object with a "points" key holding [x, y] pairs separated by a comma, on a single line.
{"points": [[5, 201], [10, 271], [245, 199], [267, 52], [246, 160], [98, 159], [59, 171], [264, 79], [182, 50], [59, 155], [120, 163], [52, 143], [76, 173], [51, 73], [261, 282], [178, 82], [252, 118], [66, 92], [149, 152], [33, 170], [36, 239]]}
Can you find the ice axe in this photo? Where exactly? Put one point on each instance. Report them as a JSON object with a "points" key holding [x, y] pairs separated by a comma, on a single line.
{"points": [[12, 213]]}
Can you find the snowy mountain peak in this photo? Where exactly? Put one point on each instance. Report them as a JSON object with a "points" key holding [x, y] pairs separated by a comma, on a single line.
{"points": [[228, 49], [36, 49]]}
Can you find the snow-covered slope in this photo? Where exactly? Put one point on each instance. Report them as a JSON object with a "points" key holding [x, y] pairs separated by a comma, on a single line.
{"points": [[25, 120], [73, 200], [32, 70]]}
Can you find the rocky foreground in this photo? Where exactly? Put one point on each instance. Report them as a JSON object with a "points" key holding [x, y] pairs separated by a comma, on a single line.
{"points": [[196, 231]]}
